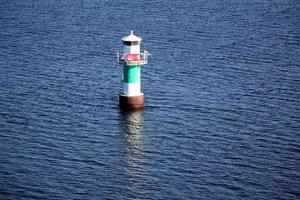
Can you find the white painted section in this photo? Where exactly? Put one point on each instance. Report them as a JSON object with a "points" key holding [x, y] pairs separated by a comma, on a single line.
{"points": [[135, 49], [132, 89]]}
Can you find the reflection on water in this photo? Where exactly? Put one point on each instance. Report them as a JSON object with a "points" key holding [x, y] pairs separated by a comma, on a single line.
{"points": [[132, 125]]}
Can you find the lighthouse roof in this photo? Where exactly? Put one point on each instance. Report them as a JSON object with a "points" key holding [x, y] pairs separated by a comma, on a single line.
{"points": [[131, 38]]}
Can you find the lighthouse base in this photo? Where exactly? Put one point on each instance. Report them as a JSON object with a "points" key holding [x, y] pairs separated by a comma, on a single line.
{"points": [[131, 102]]}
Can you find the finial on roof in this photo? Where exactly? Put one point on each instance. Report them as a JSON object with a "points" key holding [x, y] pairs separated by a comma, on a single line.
{"points": [[131, 38]]}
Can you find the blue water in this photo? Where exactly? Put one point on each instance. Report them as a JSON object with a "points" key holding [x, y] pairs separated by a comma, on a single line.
{"points": [[222, 115]]}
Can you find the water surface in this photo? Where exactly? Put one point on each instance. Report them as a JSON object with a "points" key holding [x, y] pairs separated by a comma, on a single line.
{"points": [[222, 100]]}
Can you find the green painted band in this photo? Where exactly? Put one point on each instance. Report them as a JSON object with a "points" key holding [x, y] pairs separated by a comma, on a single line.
{"points": [[132, 74]]}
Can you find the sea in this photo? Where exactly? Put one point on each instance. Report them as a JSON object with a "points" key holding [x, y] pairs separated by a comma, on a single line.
{"points": [[222, 100]]}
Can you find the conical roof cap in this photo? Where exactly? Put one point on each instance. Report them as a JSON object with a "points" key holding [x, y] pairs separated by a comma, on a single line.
{"points": [[131, 38]]}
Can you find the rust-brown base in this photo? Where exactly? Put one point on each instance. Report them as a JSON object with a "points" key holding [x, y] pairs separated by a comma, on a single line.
{"points": [[131, 102]]}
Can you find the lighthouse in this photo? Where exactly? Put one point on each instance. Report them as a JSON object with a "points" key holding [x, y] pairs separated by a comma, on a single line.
{"points": [[132, 59]]}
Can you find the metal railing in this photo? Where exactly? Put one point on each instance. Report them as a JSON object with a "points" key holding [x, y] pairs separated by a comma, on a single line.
{"points": [[139, 59]]}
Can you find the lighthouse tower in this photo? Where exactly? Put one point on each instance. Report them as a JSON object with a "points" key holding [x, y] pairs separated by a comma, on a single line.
{"points": [[132, 59]]}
